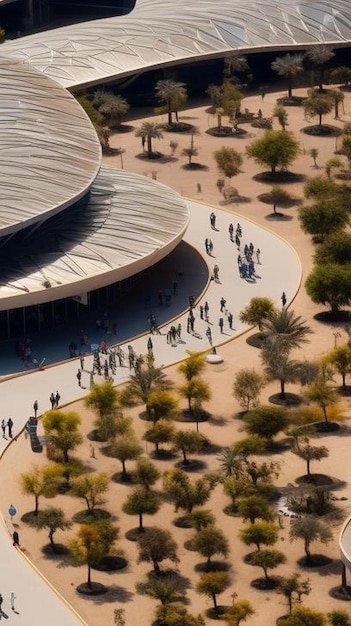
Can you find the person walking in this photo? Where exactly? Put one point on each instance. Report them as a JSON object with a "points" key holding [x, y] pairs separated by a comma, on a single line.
{"points": [[223, 302], [283, 299], [213, 220], [206, 309], [201, 312], [79, 378], [57, 399], [231, 231], [81, 360], [12, 600], [1, 601], [9, 426], [230, 320], [35, 408], [52, 400], [150, 346], [216, 273], [258, 256], [221, 324], [209, 335], [3, 428]]}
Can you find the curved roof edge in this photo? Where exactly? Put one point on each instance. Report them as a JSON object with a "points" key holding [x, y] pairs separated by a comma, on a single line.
{"points": [[158, 33], [130, 223]]}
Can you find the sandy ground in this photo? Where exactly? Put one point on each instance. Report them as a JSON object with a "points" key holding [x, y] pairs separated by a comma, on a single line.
{"points": [[224, 427]]}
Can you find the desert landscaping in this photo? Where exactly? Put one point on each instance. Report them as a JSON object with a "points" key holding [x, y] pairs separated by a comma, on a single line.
{"points": [[224, 422]]}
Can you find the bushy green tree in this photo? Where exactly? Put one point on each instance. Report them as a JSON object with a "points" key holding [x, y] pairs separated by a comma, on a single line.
{"points": [[330, 284], [293, 588], [340, 359], [309, 453], [162, 432], [266, 422], [40, 481], [91, 488], [141, 502], [155, 546], [53, 519], [184, 493], [276, 149], [62, 429], [228, 161], [258, 309], [268, 560], [323, 219], [209, 542], [259, 533], [310, 529], [211, 584]]}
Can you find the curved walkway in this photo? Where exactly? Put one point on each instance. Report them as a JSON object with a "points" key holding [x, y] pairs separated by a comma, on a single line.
{"points": [[279, 271]]}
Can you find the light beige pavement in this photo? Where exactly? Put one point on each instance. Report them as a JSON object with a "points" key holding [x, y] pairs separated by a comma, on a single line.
{"points": [[279, 271]]}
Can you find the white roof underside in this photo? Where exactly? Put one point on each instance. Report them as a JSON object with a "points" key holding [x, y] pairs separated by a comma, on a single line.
{"points": [[162, 32], [129, 223], [49, 151]]}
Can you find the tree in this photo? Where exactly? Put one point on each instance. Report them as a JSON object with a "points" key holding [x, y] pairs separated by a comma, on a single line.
{"points": [[323, 219], [309, 453], [338, 617], [289, 66], [281, 114], [340, 74], [209, 542], [254, 506], [88, 548], [238, 612], [126, 448], [303, 616], [276, 149], [320, 188], [184, 493], [293, 588], [211, 584], [228, 161], [278, 197], [119, 617], [62, 429], [114, 108], [267, 559], [235, 64], [165, 588], [288, 327], [317, 106], [319, 55], [330, 284], [146, 473], [156, 546], [196, 391], [53, 519], [149, 131], [192, 366], [141, 502], [340, 358], [258, 309], [266, 422], [201, 518], [277, 364], [321, 393], [335, 249], [247, 387], [332, 164], [161, 432], [161, 404], [314, 152], [188, 442], [172, 93], [91, 488], [190, 152], [338, 97], [40, 481], [309, 529], [259, 533], [104, 400]]}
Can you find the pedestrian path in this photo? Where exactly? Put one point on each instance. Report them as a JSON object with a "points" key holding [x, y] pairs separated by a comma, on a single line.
{"points": [[278, 271]]}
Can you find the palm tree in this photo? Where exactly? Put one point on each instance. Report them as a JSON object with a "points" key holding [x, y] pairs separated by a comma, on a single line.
{"points": [[236, 63], [319, 55], [114, 108], [287, 327], [173, 94], [149, 131], [289, 65]]}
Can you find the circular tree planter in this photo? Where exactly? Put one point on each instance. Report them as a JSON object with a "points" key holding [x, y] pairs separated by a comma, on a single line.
{"points": [[292, 101], [111, 564], [279, 177], [87, 517], [322, 130], [194, 166], [315, 560], [330, 317], [341, 593], [153, 156], [94, 589], [178, 127], [318, 480], [226, 131], [265, 584], [218, 612], [134, 533], [327, 427]]}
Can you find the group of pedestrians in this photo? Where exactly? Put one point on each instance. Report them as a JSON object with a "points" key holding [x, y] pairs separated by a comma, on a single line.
{"points": [[54, 401], [8, 425]]}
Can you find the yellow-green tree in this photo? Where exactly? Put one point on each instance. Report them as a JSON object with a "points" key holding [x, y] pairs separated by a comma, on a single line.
{"points": [[62, 429], [41, 481]]}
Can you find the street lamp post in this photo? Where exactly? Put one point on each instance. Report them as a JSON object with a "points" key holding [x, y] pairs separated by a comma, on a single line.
{"points": [[121, 152]]}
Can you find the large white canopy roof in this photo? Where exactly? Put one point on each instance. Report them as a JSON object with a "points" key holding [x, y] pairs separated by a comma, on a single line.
{"points": [[49, 151], [165, 32], [129, 223]]}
